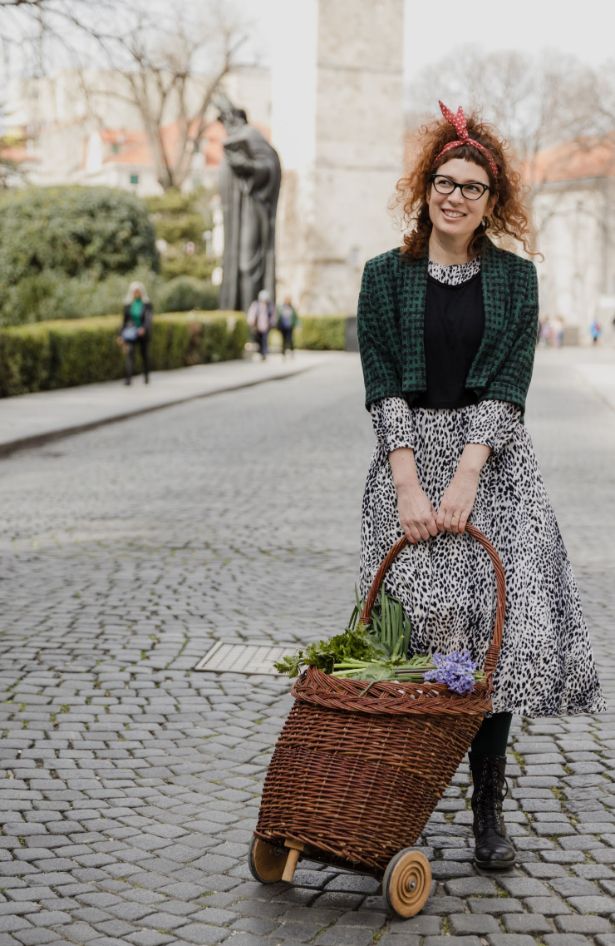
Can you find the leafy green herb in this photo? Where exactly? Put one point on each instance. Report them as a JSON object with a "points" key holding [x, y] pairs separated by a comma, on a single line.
{"points": [[386, 637], [377, 651]]}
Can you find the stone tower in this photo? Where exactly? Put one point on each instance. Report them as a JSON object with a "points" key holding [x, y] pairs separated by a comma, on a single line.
{"points": [[337, 123]]}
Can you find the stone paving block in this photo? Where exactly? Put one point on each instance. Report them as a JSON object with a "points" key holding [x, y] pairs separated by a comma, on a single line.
{"points": [[575, 886], [601, 905], [398, 939], [471, 886], [148, 938], [527, 923], [163, 921], [255, 924], [524, 887], [479, 924], [339, 935], [34, 937], [294, 931], [510, 939], [583, 924], [203, 935], [50, 918], [549, 906], [495, 905], [446, 941], [567, 939]]}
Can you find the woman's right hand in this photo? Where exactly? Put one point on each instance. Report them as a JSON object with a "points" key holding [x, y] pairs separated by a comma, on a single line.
{"points": [[416, 514]]}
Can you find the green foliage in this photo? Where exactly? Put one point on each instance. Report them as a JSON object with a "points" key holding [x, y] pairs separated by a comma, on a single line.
{"points": [[50, 295], [181, 264], [63, 353], [73, 230], [186, 292], [180, 218], [171, 202], [387, 635], [180, 228], [321, 332]]}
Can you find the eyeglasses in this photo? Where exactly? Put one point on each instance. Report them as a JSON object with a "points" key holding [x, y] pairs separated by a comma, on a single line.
{"points": [[472, 190]]}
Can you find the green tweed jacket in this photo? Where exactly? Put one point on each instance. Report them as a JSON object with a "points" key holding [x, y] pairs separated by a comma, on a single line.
{"points": [[390, 321]]}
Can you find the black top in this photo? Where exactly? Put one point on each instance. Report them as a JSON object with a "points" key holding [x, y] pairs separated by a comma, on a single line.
{"points": [[454, 325]]}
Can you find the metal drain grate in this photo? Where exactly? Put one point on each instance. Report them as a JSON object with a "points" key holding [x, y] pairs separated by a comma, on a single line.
{"points": [[257, 657]]}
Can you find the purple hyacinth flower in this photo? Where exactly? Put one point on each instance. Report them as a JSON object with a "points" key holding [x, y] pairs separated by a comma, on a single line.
{"points": [[456, 670]]}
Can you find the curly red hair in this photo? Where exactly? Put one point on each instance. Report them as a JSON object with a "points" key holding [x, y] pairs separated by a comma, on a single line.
{"points": [[508, 217]]}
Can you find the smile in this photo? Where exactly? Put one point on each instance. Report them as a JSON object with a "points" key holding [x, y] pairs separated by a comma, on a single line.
{"points": [[453, 214]]}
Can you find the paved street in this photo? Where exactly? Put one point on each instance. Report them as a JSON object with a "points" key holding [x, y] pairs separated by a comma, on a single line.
{"points": [[131, 783]]}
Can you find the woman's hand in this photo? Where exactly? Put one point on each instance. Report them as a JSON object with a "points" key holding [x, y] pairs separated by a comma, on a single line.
{"points": [[416, 514], [458, 501]]}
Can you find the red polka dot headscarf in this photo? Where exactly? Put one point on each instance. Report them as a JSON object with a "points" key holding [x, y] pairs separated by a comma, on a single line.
{"points": [[458, 122]]}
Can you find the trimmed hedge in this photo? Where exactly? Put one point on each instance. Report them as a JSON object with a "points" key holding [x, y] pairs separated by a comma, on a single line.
{"points": [[321, 332], [71, 352]]}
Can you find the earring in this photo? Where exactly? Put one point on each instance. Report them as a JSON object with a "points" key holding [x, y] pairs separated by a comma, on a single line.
{"points": [[485, 223]]}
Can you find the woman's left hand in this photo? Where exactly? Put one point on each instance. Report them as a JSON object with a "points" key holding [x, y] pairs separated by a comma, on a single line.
{"points": [[458, 501]]}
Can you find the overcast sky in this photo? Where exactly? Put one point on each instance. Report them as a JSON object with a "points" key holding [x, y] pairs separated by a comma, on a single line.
{"points": [[584, 29]]}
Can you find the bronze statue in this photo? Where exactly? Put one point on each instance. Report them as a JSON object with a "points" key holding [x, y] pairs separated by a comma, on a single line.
{"points": [[250, 177]]}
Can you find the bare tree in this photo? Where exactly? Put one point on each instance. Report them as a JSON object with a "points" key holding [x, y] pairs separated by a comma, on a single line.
{"points": [[171, 81], [166, 60]]}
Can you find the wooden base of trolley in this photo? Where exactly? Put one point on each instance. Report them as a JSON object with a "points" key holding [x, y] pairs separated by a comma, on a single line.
{"points": [[406, 883]]}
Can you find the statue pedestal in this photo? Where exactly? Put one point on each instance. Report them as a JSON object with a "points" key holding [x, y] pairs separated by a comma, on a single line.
{"points": [[337, 123]]}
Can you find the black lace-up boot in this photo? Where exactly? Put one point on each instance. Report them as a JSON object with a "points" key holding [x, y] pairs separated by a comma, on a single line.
{"points": [[494, 850]]}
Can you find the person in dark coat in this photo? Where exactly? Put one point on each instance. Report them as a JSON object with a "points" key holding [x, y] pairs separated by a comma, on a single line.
{"points": [[286, 324], [136, 329]]}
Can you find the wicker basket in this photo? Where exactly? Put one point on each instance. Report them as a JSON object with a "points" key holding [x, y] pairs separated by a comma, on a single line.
{"points": [[357, 772]]}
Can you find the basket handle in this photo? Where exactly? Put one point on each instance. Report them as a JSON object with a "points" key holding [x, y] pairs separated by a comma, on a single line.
{"points": [[491, 657]]}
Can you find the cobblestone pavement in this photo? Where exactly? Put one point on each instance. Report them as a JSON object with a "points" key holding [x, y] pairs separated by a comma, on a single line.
{"points": [[131, 783]]}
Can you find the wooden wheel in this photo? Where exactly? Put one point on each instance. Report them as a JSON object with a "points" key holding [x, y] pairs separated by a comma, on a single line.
{"points": [[406, 884], [266, 861]]}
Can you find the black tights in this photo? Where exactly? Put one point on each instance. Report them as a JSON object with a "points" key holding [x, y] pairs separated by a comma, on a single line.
{"points": [[492, 737], [142, 342]]}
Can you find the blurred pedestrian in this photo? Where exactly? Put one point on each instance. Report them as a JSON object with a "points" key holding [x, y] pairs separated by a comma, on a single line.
{"points": [[595, 330], [558, 331], [287, 323], [546, 332], [260, 318], [136, 329]]}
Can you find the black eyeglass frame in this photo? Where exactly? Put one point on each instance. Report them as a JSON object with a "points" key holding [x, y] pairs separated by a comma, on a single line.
{"points": [[485, 187]]}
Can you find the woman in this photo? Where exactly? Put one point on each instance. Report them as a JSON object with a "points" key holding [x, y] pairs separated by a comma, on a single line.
{"points": [[136, 328], [447, 333], [260, 319]]}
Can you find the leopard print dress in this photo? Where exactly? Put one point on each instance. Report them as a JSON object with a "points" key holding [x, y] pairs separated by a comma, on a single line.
{"points": [[445, 584]]}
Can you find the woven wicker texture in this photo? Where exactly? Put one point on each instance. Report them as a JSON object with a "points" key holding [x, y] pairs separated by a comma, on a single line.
{"points": [[358, 769]]}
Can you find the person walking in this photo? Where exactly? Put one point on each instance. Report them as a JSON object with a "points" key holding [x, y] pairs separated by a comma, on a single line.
{"points": [[286, 324], [595, 331], [136, 329], [447, 327], [260, 318]]}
